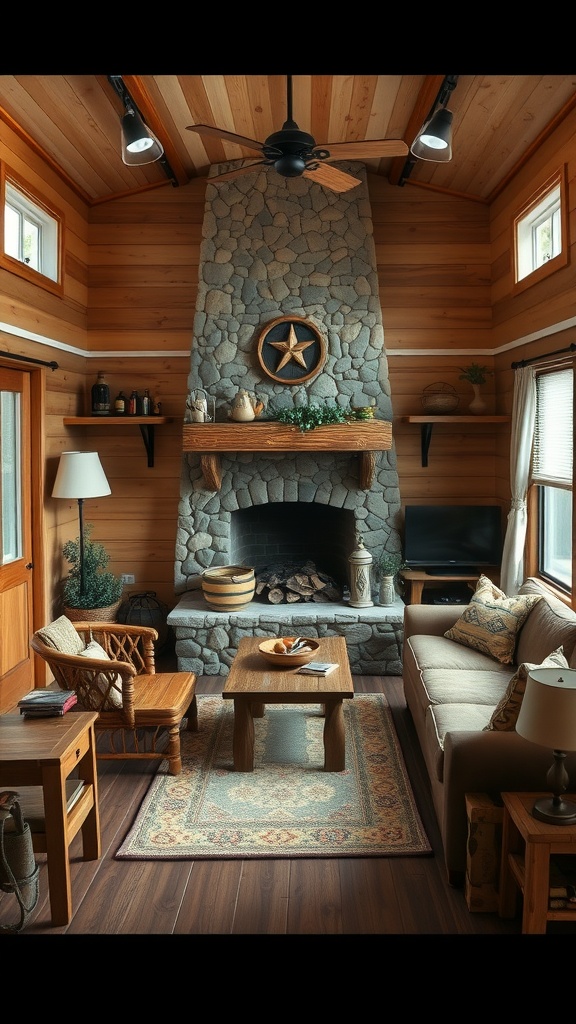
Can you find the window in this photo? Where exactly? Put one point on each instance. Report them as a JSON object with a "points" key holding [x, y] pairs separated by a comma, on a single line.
{"points": [[541, 234], [32, 235], [552, 462]]}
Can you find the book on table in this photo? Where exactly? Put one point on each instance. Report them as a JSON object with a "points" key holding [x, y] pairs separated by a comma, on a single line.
{"points": [[47, 703], [318, 668]]}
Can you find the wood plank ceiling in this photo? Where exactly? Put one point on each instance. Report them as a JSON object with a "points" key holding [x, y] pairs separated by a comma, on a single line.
{"points": [[74, 121]]}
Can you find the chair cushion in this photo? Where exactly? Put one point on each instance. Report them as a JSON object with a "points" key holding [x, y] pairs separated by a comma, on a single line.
{"points": [[62, 636], [505, 714], [101, 682], [491, 622]]}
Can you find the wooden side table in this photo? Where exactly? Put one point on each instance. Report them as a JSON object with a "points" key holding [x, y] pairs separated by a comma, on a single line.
{"points": [[45, 752], [527, 845]]}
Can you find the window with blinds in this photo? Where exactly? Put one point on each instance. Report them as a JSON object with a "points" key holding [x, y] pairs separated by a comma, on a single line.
{"points": [[552, 468]]}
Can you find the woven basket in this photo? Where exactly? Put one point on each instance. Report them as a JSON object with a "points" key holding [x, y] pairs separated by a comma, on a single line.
{"points": [[107, 614], [440, 398], [228, 588]]}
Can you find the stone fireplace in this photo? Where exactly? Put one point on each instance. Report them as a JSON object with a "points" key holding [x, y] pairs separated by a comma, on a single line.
{"points": [[255, 492]]}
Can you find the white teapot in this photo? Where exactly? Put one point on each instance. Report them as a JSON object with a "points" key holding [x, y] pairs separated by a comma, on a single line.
{"points": [[245, 408]]}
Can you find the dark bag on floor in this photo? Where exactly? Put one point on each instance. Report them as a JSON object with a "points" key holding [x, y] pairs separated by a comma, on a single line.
{"points": [[18, 869]]}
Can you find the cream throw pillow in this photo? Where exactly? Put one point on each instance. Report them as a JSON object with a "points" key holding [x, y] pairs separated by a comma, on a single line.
{"points": [[491, 622], [62, 636], [505, 714], [114, 699]]}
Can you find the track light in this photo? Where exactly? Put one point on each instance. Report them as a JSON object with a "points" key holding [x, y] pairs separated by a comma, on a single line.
{"points": [[434, 140], [139, 144]]}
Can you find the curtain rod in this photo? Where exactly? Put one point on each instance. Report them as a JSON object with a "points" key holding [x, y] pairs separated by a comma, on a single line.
{"points": [[28, 359], [546, 355]]}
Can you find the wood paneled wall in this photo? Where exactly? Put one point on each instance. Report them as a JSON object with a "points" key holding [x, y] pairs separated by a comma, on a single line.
{"points": [[128, 307]]}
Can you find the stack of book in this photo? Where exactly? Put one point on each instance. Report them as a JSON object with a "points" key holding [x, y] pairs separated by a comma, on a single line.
{"points": [[563, 882], [46, 703]]}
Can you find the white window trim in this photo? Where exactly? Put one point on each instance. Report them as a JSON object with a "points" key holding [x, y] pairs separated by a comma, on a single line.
{"points": [[526, 215], [49, 215]]}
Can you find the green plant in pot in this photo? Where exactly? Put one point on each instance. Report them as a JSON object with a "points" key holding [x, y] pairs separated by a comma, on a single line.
{"points": [[102, 590], [476, 376], [386, 570], [474, 373]]}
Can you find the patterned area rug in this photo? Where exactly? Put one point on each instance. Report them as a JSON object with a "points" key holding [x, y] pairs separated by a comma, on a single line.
{"points": [[288, 806]]}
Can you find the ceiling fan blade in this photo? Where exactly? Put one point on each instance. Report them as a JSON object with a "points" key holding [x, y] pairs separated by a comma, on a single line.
{"points": [[218, 133], [331, 177], [368, 149], [245, 169]]}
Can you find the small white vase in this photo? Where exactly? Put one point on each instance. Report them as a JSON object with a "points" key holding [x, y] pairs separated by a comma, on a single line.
{"points": [[478, 405], [387, 594]]}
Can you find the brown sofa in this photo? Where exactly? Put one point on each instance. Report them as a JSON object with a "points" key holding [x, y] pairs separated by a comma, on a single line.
{"points": [[452, 691]]}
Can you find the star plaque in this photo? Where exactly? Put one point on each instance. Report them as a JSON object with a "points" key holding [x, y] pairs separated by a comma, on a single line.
{"points": [[291, 350]]}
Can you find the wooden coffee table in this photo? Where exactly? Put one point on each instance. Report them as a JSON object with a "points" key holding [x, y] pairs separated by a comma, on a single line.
{"points": [[252, 684]]}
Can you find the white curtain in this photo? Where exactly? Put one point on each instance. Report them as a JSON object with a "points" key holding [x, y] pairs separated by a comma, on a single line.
{"points": [[523, 420]]}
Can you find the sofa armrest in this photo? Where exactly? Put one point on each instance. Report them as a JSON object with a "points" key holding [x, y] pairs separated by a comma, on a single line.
{"points": [[430, 619], [487, 762]]}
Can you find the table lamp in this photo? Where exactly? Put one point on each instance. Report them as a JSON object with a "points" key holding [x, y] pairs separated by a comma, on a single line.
{"points": [[80, 475], [548, 717]]}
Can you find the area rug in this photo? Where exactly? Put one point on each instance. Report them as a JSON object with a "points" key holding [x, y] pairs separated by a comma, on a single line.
{"points": [[288, 806]]}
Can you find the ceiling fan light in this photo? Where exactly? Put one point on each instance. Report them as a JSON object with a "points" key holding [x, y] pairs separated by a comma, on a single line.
{"points": [[434, 140], [139, 144]]}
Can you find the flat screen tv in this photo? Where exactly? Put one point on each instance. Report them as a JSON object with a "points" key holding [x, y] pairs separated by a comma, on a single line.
{"points": [[452, 539]]}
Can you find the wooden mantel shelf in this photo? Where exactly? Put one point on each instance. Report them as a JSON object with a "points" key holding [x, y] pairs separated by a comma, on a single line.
{"points": [[146, 424], [363, 437]]}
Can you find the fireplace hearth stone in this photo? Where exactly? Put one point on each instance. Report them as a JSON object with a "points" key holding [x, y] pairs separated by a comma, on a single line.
{"points": [[207, 641]]}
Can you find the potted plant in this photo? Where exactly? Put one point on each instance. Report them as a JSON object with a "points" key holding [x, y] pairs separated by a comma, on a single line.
{"points": [[386, 570], [100, 597], [476, 375]]}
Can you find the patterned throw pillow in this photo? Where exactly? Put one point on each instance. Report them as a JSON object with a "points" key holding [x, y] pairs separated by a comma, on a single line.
{"points": [[114, 699], [491, 622], [505, 714], [62, 636]]}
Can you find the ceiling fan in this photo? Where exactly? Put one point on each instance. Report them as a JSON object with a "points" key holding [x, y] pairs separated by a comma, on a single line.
{"points": [[293, 153]]}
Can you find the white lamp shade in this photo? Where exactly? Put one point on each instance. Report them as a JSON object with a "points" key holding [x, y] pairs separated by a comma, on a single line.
{"points": [[548, 711], [80, 475]]}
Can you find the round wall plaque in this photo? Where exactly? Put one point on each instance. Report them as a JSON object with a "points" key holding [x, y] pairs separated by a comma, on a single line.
{"points": [[291, 350]]}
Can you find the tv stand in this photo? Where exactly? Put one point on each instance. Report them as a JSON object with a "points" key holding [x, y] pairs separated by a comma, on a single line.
{"points": [[416, 579], [463, 572]]}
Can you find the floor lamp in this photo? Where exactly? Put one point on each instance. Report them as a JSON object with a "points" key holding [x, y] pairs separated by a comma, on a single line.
{"points": [[80, 475]]}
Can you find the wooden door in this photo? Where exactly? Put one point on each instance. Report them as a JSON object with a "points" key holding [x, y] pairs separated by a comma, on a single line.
{"points": [[16, 568]]}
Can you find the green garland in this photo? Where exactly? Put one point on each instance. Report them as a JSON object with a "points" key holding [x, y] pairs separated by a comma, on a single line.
{"points": [[306, 417]]}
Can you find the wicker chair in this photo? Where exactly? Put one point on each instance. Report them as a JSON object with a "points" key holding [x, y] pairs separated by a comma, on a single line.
{"points": [[136, 706]]}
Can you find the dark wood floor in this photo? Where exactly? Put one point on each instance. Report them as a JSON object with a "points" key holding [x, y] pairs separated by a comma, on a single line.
{"points": [[348, 896]]}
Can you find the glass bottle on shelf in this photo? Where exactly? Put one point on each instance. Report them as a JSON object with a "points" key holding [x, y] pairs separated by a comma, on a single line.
{"points": [[146, 403], [100, 396], [119, 404], [133, 404]]}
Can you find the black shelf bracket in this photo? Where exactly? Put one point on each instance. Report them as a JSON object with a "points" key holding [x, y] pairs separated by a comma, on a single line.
{"points": [[425, 438], [147, 432]]}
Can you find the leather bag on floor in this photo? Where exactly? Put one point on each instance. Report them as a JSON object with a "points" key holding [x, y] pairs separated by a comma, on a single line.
{"points": [[18, 869]]}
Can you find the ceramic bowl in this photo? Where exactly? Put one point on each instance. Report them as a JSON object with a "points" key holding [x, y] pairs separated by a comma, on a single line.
{"points": [[301, 657]]}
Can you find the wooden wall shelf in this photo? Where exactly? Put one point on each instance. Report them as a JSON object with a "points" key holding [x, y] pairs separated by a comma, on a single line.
{"points": [[363, 437], [427, 422], [146, 424]]}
